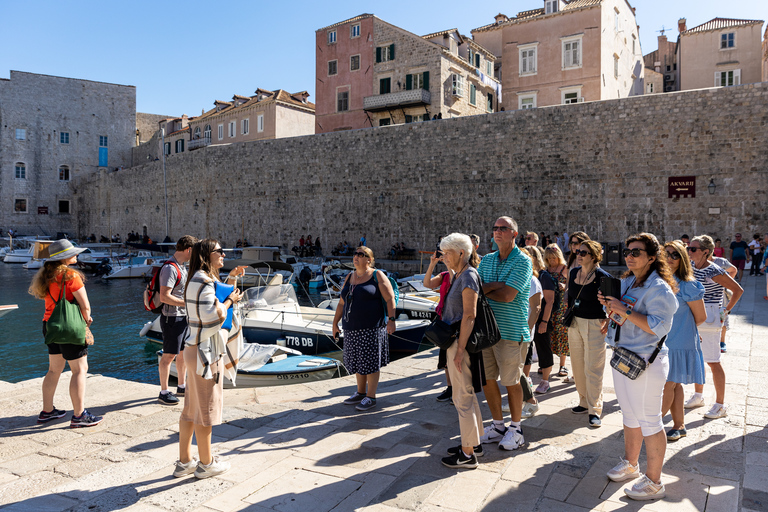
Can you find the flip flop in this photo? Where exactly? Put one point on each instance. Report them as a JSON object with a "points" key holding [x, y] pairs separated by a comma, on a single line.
{"points": [[564, 371]]}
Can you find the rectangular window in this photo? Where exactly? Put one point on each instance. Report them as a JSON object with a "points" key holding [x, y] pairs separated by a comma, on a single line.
{"points": [[180, 146], [527, 103], [331, 37], [457, 85], [634, 41], [489, 68], [727, 40], [616, 66], [64, 173], [550, 6], [472, 94], [385, 53], [616, 22], [221, 132], [528, 61], [342, 101], [232, 128], [489, 103], [260, 123], [246, 127], [63, 206], [354, 31], [649, 88], [385, 121], [354, 63], [727, 78], [416, 119], [417, 81], [20, 205], [21, 171], [64, 138], [21, 134], [570, 97], [572, 54], [385, 86], [167, 148], [103, 141], [332, 67]]}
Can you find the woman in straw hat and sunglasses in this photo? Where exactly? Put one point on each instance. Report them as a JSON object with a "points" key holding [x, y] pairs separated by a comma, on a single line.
{"points": [[47, 285]]}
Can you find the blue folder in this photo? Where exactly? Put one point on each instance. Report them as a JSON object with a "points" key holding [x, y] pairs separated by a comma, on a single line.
{"points": [[222, 292]]}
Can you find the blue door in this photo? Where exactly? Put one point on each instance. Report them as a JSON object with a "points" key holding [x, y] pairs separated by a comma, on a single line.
{"points": [[103, 157]]}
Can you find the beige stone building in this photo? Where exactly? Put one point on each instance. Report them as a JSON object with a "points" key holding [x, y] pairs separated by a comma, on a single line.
{"points": [[413, 78], [720, 52], [765, 55], [662, 62], [561, 53]]}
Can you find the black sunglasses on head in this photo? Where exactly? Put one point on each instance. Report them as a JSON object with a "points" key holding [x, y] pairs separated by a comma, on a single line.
{"points": [[634, 252]]}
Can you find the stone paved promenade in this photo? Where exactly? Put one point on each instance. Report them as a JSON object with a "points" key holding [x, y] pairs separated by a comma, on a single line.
{"points": [[297, 448]]}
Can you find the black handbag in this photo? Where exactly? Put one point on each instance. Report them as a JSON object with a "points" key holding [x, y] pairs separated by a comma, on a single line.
{"points": [[441, 334], [485, 332], [569, 313]]}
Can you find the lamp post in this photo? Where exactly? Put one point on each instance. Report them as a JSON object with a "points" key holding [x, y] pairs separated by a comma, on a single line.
{"points": [[165, 183], [711, 187]]}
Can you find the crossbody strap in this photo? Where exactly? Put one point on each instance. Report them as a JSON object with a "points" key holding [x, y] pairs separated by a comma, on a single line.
{"points": [[658, 349]]}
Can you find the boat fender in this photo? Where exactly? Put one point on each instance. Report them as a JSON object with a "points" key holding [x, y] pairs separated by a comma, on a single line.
{"points": [[145, 329]]}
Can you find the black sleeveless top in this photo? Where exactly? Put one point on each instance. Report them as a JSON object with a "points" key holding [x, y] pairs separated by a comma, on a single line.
{"points": [[363, 305]]}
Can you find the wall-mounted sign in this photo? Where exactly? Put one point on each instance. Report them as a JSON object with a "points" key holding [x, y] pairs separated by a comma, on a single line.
{"points": [[714, 211], [42, 210], [682, 186]]}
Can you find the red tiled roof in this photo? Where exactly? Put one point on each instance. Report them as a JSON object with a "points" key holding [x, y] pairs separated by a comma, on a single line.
{"points": [[356, 18], [721, 23]]}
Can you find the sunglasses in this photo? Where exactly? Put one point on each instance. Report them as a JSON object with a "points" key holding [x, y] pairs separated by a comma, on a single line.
{"points": [[574, 242], [634, 252], [673, 255], [360, 254], [219, 250], [503, 229], [582, 253], [692, 249]]}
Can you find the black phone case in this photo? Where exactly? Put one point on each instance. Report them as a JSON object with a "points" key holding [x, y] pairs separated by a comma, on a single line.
{"points": [[610, 287]]}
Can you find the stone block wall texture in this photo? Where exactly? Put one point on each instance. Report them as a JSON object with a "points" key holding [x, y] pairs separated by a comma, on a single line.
{"points": [[601, 167]]}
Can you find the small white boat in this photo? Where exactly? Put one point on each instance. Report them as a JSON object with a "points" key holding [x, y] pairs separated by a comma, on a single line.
{"points": [[19, 255], [4, 310], [262, 366], [138, 266]]}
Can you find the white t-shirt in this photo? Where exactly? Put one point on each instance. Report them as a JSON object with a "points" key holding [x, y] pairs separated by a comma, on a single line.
{"points": [[755, 246]]}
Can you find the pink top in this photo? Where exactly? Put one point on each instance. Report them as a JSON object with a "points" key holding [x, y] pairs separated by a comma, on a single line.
{"points": [[719, 252]]}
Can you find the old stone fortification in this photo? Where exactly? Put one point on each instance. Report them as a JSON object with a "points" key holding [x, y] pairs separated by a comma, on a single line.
{"points": [[600, 167]]}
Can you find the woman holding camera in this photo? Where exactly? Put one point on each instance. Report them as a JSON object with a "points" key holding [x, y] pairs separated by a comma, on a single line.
{"points": [[587, 329], [686, 363], [366, 329], [644, 310]]}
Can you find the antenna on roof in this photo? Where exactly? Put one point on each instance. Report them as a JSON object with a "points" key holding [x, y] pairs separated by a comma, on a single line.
{"points": [[662, 30]]}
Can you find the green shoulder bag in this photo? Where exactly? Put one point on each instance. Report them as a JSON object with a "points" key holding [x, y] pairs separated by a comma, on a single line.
{"points": [[66, 324]]}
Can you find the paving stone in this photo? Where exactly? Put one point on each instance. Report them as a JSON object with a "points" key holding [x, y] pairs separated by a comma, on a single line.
{"points": [[756, 477], [304, 490], [559, 487], [83, 446], [410, 490], [30, 486], [12, 448], [548, 504], [149, 442], [751, 500], [468, 489], [508, 496], [114, 475], [140, 426], [81, 466], [373, 485], [29, 464], [44, 503], [228, 431]]}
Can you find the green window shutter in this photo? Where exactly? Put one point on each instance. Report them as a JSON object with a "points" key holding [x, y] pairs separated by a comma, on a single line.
{"points": [[472, 94], [477, 60], [426, 80], [378, 54], [408, 82], [408, 119], [490, 102], [392, 51]]}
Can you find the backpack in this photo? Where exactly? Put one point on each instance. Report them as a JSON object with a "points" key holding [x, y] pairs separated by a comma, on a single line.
{"points": [[152, 291], [395, 289]]}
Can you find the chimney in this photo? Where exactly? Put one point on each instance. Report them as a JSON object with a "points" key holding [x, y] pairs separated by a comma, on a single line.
{"points": [[681, 25], [501, 18], [662, 44]]}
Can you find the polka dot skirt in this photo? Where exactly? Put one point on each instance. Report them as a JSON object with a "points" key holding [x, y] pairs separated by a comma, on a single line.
{"points": [[366, 350]]}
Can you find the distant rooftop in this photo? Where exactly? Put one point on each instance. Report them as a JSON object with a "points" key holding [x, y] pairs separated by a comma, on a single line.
{"points": [[721, 23]]}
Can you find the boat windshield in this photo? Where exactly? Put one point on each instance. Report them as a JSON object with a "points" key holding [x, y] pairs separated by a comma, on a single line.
{"points": [[265, 296]]}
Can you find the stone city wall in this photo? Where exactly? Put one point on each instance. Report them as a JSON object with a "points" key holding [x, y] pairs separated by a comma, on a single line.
{"points": [[601, 167]]}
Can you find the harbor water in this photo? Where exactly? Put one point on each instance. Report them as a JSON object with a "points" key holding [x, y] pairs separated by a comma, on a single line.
{"points": [[118, 316]]}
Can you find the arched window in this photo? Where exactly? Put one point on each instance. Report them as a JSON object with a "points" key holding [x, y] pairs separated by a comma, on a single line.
{"points": [[207, 132], [64, 173], [21, 171], [197, 132]]}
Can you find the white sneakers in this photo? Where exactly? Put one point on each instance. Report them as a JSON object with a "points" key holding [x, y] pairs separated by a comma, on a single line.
{"points": [[491, 434], [646, 489], [512, 440], [530, 409], [717, 411], [216, 467], [624, 471], [694, 402]]}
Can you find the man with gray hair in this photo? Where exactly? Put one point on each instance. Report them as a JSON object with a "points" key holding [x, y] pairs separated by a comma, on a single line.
{"points": [[506, 275]]}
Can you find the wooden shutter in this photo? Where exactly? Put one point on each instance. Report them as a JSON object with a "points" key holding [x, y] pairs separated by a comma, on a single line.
{"points": [[426, 81], [408, 82], [477, 60], [378, 54], [408, 119], [392, 51]]}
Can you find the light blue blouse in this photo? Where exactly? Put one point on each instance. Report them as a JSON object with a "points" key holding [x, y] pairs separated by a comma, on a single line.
{"points": [[684, 334], [654, 299]]}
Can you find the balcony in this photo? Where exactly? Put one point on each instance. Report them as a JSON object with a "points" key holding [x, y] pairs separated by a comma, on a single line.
{"points": [[411, 98], [198, 143]]}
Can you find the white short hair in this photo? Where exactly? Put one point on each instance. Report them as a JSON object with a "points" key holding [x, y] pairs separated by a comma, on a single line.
{"points": [[458, 242]]}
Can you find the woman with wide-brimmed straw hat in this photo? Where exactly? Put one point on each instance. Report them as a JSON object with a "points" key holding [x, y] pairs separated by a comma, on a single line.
{"points": [[53, 283]]}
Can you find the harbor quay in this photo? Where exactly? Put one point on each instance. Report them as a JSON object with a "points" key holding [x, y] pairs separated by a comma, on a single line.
{"points": [[298, 448]]}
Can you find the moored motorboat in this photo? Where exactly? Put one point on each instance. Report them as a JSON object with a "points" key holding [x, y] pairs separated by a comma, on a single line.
{"points": [[138, 266], [5, 309]]}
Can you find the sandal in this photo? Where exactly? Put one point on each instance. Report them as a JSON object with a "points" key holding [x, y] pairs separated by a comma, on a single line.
{"points": [[539, 371], [563, 372]]}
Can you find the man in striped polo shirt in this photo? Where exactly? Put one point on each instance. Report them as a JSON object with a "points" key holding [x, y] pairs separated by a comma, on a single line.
{"points": [[506, 275]]}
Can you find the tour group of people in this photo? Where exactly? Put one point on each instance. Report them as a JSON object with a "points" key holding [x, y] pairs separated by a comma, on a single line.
{"points": [[671, 312]]}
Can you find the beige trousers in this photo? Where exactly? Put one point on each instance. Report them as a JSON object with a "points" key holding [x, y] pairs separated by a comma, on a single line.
{"points": [[587, 346], [465, 399]]}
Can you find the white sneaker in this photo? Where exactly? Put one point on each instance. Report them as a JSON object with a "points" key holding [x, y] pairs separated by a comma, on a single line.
{"points": [[216, 467], [717, 411], [491, 434], [646, 489], [182, 469], [512, 440], [530, 409], [624, 471], [505, 408], [694, 402]]}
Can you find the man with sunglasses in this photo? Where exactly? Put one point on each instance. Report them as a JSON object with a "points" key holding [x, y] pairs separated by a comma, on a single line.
{"points": [[506, 276]]}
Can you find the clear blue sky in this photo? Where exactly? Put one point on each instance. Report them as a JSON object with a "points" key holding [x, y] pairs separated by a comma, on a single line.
{"points": [[181, 56]]}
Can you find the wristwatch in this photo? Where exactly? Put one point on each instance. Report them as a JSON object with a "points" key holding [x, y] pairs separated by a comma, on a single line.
{"points": [[392, 318], [628, 312]]}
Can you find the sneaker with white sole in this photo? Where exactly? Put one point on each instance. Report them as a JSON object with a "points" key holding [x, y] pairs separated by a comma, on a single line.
{"points": [[45, 417], [694, 402], [646, 489], [477, 449], [717, 411], [366, 404], [512, 440], [216, 467], [354, 399], [505, 408], [184, 469], [460, 460], [542, 388], [491, 434], [85, 420], [530, 409], [624, 471]]}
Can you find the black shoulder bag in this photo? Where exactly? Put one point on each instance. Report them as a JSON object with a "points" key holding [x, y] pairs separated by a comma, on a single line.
{"points": [[440, 333], [485, 332]]}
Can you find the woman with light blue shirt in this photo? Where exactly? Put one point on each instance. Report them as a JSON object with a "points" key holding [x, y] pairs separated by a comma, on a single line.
{"points": [[645, 310], [686, 361]]}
